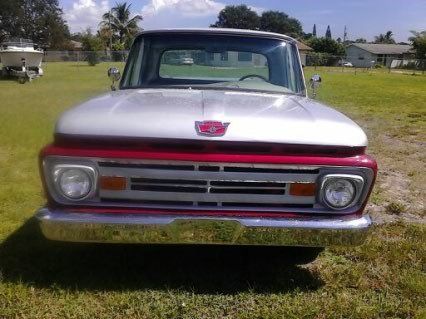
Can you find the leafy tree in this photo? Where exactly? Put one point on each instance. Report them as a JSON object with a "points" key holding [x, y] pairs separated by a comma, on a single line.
{"points": [[38, 20], [280, 22], [328, 52], [328, 33], [237, 17], [77, 36], [314, 31], [106, 35], [306, 36], [386, 38], [123, 27], [360, 40], [94, 45], [325, 45], [418, 41]]}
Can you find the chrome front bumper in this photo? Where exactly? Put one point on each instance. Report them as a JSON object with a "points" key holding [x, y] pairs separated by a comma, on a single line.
{"points": [[186, 229]]}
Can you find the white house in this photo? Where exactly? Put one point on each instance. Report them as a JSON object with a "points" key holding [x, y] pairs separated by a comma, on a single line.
{"points": [[367, 54]]}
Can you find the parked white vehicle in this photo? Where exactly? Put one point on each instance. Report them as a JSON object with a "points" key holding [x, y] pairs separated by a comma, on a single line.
{"points": [[346, 64], [187, 61], [21, 58]]}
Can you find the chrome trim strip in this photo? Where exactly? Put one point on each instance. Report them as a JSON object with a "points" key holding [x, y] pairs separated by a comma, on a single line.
{"points": [[187, 229], [207, 197]]}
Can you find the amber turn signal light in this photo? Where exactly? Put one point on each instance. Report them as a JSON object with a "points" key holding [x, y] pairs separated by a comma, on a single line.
{"points": [[302, 189], [113, 183]]}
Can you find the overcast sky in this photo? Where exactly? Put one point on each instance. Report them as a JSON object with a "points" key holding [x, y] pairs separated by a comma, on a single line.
{"points": [[363, 18]]}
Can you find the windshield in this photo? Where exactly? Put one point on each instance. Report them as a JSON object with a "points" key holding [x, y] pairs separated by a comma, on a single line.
{"points": [[213, 62]]}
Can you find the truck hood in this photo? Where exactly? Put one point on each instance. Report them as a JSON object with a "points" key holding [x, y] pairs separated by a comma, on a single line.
{"points": [[172, 113]]}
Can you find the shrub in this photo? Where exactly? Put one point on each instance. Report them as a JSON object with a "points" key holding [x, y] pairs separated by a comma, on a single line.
{"points": [[93, 58]]}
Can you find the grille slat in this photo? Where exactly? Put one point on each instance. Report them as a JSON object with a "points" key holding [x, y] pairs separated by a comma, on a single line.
{"points": [[168, 189], [266, 191], [247, 184], [148, 166], [268, 170], [167, 181]]}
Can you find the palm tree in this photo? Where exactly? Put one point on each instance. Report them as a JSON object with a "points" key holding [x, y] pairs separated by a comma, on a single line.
{"points": [[386, 38], [119, 22]]}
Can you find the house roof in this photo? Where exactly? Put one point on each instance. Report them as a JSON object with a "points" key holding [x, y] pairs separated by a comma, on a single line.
{"points": [[383, 48], [76, 44], [303, 47]]}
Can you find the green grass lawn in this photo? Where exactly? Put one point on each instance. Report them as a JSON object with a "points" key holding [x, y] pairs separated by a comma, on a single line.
{"points": [[385, 278]]}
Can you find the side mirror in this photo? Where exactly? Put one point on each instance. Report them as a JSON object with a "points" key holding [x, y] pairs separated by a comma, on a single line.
{"points": [[315, 82], [115, 76]]}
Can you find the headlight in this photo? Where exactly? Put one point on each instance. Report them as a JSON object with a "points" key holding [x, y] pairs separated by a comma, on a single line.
{"points": [[74, 182], [341, 191]]}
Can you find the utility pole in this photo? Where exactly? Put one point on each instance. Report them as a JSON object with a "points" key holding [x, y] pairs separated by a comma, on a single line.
{"points": [[345, 35]]}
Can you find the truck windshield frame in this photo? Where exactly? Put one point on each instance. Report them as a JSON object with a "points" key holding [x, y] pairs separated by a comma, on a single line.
{"points": [[214, 61]]}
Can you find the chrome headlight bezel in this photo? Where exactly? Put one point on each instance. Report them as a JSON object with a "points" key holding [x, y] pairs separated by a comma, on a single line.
{"points": [[53, 167], [357, 181]]}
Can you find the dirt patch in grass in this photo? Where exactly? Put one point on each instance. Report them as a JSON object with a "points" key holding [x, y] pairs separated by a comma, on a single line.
{"points": [[400, 190]]}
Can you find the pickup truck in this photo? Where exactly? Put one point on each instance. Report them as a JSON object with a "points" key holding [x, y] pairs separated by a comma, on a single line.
{"points": [[228, 150]]}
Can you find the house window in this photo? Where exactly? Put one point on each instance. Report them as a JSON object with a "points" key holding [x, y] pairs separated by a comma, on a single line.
{"points": [[224, 56], [210, 56], [360, 57], [244, 56]]}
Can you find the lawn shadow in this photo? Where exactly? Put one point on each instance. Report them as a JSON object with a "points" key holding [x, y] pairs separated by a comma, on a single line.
{"points": [[9, 79], [26, 257]]}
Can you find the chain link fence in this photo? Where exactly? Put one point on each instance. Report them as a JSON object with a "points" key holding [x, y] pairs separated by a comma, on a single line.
{"points": [[85, 56], [352, 64]]}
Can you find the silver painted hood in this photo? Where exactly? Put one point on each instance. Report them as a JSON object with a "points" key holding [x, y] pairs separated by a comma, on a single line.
{"points": [[171, 113]]}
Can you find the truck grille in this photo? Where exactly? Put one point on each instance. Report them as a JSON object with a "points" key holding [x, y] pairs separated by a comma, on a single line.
{"points": [[224, 186]]}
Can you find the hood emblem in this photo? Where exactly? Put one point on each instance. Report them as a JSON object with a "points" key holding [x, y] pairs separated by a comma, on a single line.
{"points": [[211, 128]]}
